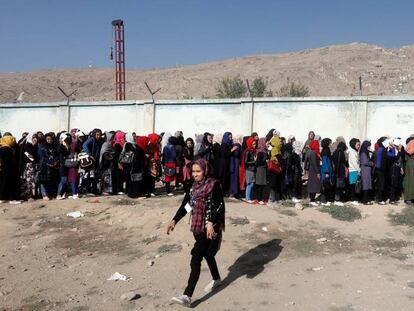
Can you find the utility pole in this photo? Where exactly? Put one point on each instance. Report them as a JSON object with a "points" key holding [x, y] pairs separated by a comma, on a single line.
{"points": [[67, 102], [118, 26]]}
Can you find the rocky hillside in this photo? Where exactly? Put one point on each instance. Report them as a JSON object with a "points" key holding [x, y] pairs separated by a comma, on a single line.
{"points": [[327, 71]]}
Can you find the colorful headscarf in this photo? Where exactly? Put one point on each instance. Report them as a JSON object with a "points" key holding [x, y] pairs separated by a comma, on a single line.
{"points": [[142, 142], [119, 138], [226, 139], [261, 145], [8, 141]]}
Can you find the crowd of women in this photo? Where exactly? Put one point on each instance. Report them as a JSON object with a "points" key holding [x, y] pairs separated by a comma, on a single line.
{"points": [[257, 170]]}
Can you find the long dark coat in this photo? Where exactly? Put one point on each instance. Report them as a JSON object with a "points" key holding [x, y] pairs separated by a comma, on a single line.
{"points": [[366, 171], [314, 183]]}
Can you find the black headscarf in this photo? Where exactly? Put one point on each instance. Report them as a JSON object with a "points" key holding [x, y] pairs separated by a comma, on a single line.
{"points": [[353, 143], [364, 147], [269, 135], [325, 143]]}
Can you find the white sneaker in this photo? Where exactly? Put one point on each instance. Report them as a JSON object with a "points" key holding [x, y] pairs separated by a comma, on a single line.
{"points": [[152, 194], [326, 204], [355, 203], [314, 204], [59, 197], [2, 201], [212, 286], [183, 300], [14, 202], [338, 203], [294, 200], [170, 194], [75, 196], [121, 193], [46, 199], [382, 203], [261, 203]]}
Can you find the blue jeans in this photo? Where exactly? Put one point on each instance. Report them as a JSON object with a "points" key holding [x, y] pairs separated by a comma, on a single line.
{"points": [[249, 190], [62, 184]]}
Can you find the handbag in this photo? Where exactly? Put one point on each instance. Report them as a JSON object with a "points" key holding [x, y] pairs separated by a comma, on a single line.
{"points": [[136, 176], [126, 157], [169, 171], [71, 161], [85, 160], [274, 167]]}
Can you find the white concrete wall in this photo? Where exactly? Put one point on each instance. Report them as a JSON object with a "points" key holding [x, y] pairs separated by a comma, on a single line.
{"points": [[362, 117]]}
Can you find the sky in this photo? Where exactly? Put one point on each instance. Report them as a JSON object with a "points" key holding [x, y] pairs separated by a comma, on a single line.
{"points": [[54, 34]]}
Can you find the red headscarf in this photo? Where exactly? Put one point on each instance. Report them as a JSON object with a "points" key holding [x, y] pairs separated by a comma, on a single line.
{"points": [[119, 138], [314, 146], [155, 146], [142, 142]]}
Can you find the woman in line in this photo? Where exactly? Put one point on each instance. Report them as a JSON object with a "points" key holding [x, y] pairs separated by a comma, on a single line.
{"points": [[397, 170], [354, 168], [92, 146], [73, 172], [64, 152], [261, 170], [327, 174], [107, 164], [9, 175], [153, 162], [341, 168], [133, 171], [381, 170], [142, 143], [314, 181], [235, 167], [226, 152], [249, 167], [30, 182], [217, 139], [179, 149], [409, 172], [188, 154], [49, 165], [297, 160], [119, 173], [169, 159], [206, 203], [206, 149], [366, 171]]}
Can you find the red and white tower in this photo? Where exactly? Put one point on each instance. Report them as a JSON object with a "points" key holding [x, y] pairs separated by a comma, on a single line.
{"points": [[118, 26]]}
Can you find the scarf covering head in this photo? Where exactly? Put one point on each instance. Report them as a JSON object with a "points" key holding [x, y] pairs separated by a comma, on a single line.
{"points": [[269, 135], [261, 145], [142, 142], [410, 147], [205, 139], [353, 143], [314, 146], [29, 138], [397, 141], [297, 147], [325, 143], [238, 139], [249, 143], [199, 193], [72, 133], [129, 139], [218, 138], [364, 147], [165, 139], [226, 139], [155, 146], [8, 141], [198, 142], [119, 138], [107, 146]]}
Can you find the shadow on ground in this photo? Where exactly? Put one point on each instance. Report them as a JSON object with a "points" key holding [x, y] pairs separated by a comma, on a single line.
{"points": [[250, 264]]}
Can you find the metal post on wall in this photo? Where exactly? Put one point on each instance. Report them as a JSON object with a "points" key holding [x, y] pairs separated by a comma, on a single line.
{"points": [[67, 104], [252, 101], [153, 102]]}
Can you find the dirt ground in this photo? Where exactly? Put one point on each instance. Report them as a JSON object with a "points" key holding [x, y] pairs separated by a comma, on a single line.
{"points": [[271, 259]]}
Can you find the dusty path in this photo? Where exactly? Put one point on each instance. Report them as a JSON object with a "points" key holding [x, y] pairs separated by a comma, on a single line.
{"points": [[270, 258]]}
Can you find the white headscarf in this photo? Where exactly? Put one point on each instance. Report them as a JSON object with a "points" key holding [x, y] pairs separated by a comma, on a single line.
{"points": [[165, 139], [29, 138]]}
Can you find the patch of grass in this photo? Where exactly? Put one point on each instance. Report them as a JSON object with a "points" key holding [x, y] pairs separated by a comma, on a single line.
{"points": [[287, 212], [239, 221], [342, 213], [150, 239], [390, 247], [169, 248], [405, 218], [287, 203]]}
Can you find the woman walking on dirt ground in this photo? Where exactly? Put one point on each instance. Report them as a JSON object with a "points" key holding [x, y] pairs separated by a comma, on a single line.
{"points": [[206, 203]]}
